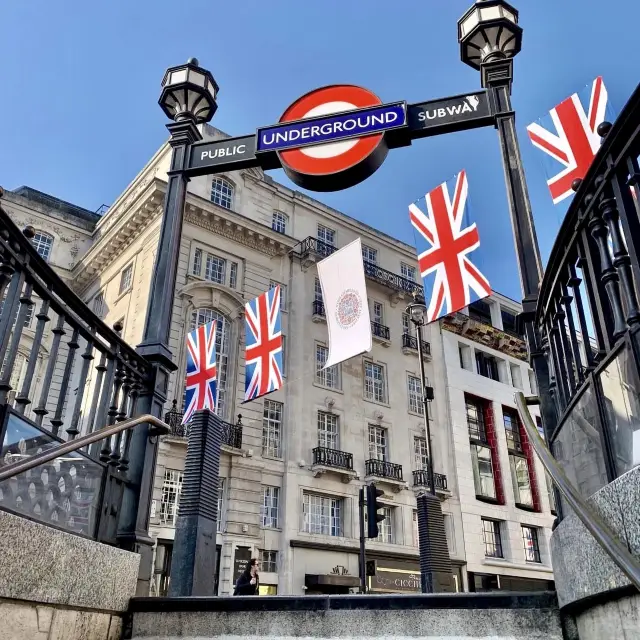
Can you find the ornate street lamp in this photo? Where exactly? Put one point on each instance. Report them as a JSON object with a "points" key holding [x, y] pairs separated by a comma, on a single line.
{"points": [[189, 93]]}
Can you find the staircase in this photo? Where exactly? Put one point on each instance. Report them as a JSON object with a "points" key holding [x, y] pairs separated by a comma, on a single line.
{"points": [[468, 616]]}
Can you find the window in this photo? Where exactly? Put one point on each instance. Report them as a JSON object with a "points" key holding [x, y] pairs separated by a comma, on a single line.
{"points": [[223, 339], [487, 365], [377, 312], [125, 278], [531, 544], [171, 489], [480, 311], [317, 291], [414, 391], [220, 504], [408, 271], [377, 443], [475, 420], [98, 305], [385, 527], [326, 235], [328, 430], [279, 222], [43, 243], [197, 262], [369, 254], [416, 536], [516, 376], [521, 481], [420, 453], [329, 377], [406, 324], [492, 539], [512, 430], [321, 514], [375, 387], [509, 323], [269, 510], [483, 471], [222, 192], [283, 293], [464, 351], [272, 429], [233, 275], [215, 269], [269, 561]]}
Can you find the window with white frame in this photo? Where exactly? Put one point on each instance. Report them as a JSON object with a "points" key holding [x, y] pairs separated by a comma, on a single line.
{"points": [[126, 278], [322, 514], [43, 244], [329, 377], [233, 275], [220, 504], [407, 325], [531, 544], [270, 507], [377, 312], [279, 222], [420, 453], [408, 271], [385, 527], [369, 254], [375, 387], [215, 269], [222, 192], [328, 430], [378, 443], [272, 429], [327, 235], [269, 561], [98, 305], [223, 337], [414, 392], [283, 293], [171, 490], [317, 290], [196, 267]]}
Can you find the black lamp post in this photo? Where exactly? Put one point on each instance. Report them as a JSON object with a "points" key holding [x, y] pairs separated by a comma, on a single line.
{"points": [[490, 38], [189, 98]]}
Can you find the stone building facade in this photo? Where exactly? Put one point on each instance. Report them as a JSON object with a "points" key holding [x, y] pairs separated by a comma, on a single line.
{"points": [[293, 463]]}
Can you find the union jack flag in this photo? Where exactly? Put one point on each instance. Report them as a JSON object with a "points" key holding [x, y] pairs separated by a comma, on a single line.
{"points": [[202, 378], [263, 350], [576, 140], [450, 279]]}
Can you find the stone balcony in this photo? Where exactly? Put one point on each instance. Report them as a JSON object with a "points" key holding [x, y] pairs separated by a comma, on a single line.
{"points": [[421, 481], [381, 333], [410, 346], [326, 460], [385, 473]]}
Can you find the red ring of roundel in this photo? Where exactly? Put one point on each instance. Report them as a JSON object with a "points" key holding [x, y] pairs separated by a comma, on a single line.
{"points": [[305, 164]]}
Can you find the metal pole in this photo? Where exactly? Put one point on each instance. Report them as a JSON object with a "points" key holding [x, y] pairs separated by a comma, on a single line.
{"points": [[427, 427], [362, 567]]}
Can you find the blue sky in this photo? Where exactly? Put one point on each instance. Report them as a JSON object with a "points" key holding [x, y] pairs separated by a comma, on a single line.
{"points": [[80, 82]]}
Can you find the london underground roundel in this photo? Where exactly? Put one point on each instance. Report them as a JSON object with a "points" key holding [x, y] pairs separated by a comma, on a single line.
{"points": [[332, 166]]}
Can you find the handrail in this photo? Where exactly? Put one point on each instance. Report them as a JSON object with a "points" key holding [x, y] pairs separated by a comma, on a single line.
{"points": [[73, 445], [591, 519]]}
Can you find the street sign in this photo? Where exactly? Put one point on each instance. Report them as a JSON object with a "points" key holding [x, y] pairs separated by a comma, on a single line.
{"points": [[224, 155], [449, 114], [340, 140]]}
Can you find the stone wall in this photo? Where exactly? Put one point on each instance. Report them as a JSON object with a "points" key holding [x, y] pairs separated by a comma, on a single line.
{"points": [[58, 586]]}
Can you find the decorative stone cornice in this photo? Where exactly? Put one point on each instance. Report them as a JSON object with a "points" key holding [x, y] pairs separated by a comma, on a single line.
{"points": [[485, 334]]}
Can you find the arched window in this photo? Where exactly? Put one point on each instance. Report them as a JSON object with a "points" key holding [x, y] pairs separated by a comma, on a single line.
{"points": [[279, 222], [43, 243], [222, 192], [223, 338]]}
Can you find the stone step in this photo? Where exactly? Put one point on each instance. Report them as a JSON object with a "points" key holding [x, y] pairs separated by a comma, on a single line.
{"points": [[457, 616]]}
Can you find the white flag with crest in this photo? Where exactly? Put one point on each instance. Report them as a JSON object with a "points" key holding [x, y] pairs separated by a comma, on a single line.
{"points": [[344, 293]]}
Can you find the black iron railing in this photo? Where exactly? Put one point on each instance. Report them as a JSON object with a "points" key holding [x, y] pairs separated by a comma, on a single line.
{"points": [[382, 469], [313, 247], [64, 375], [231, 433], [318, 308], [411, 342], [421, 479], [380, 331], [588, 313], [333, 458]]}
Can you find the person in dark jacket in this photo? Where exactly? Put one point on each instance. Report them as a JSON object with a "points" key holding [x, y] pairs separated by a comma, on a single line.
{"points": [[248, 582]]}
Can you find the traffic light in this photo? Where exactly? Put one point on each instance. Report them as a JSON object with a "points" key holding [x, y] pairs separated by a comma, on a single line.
{"points": [[371, 567], [373, 506]]}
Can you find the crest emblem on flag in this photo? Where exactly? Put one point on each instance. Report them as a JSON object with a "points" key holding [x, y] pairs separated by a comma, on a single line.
{"points": [[451, 281], [263, 350], [575, 141], [202, 375]]}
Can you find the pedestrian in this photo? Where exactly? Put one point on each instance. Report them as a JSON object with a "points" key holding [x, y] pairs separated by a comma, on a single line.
{"points": [[248, 582]]}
